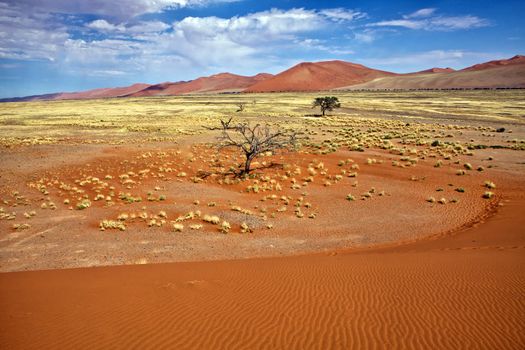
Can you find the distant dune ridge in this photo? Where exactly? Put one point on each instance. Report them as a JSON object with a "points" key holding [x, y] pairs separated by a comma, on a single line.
{"points": [[319, 76], [223, 82], [435, 70], [494, 74]]}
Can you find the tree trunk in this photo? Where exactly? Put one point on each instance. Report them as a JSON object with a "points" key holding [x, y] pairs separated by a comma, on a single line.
{"points": [[323, 110], [247, 164]]}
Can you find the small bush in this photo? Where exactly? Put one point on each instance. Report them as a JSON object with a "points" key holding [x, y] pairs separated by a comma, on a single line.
{"points": [[490, 185], [215, 220], [225, 227], [112, 225], [86, 203], [178, 227], [488, 195]]}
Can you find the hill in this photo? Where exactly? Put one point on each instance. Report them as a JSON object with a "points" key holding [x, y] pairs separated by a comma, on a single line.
{"points": [[318, 76], [222, 82], [490, 75]]}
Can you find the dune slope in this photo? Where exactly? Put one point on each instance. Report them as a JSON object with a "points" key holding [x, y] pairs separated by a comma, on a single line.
{"points": [[318, 76], [510, 76], [102, 93], [518, 59], [223, 82]]}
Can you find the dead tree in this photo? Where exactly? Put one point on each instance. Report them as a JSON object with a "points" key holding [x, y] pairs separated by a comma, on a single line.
{"points": [[241, 106], [253, 140]]}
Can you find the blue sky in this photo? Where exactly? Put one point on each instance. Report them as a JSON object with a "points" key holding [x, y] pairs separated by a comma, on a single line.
{"points": [[71, 45]]}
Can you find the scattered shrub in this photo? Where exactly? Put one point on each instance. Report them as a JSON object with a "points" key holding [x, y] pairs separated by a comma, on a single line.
{"points": [[86, 203], [112, 225], [488, 195], [225, 227]]}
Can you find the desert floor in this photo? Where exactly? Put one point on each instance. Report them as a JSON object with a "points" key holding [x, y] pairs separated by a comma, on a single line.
{"points": [[430, 253]]}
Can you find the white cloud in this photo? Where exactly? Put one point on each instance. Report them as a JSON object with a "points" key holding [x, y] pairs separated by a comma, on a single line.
{"points": [[421, 13], [459, 22], [105, 73], [320, 45], [103, 25], [407, 23], [252, 28], [425, 19], [148, 27], [29, 36], [342, 14], [119, 9]]}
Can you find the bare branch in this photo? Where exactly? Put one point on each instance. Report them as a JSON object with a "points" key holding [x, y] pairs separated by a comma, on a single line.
{"points": [[253, 140]]}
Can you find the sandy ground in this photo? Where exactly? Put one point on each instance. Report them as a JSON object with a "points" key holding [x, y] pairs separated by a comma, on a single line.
{"points": [[66, 238], [463, 291]]}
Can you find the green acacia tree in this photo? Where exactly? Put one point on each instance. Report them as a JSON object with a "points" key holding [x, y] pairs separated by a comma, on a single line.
{"points": [[327, 103]]}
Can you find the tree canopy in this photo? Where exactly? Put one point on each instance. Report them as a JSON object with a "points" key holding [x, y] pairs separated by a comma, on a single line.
{"points": [[327, 103]]}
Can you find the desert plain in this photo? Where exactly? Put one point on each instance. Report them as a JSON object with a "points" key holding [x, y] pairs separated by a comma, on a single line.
{"points": [[396, 222]]}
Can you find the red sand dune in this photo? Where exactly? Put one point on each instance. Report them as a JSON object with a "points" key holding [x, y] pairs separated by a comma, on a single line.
{"points": [[435, 70], [503, 76], [318, 76], [518, 59], [223, 82], [82, 95], [102, 93]]}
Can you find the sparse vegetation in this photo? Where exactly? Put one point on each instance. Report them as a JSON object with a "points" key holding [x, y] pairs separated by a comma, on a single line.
{"points": [[112, 225], [85, 203], [488, 195], [489, 184], [225, 227], [178, 227]]}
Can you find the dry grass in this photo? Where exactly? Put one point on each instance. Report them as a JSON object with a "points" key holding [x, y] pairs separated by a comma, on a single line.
{"points": [[166, 118]]}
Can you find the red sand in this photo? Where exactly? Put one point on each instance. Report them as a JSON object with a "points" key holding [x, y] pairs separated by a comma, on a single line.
{"points": [[215, 83], [318, 76], [464, 291], [102, 93], [518, 59], [498, 76]]}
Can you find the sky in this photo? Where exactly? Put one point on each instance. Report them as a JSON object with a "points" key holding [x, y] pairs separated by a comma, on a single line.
{"points": [[72, 45]]}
